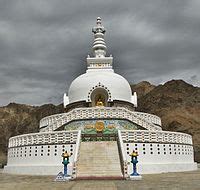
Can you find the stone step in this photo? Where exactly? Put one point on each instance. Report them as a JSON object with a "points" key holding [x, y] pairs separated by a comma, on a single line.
{"points": [[96, 159], [98, 170], [99, 167], [97, 156], [99, 175], [99, 159], [93, 158], [97, 162], [106, 165], [90, 177]]}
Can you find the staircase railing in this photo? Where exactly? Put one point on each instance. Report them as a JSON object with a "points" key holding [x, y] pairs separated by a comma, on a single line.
{"points": [[76, 155], [124, 162]]}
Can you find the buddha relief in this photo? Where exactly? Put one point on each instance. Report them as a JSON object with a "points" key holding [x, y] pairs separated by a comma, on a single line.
{"points": [[99, 102]]}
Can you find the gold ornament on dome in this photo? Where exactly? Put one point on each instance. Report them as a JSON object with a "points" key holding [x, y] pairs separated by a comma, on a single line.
{"points": [[99, 125]]}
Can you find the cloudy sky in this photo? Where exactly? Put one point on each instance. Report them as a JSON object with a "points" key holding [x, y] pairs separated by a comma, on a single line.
{"points": [[44, 43]]}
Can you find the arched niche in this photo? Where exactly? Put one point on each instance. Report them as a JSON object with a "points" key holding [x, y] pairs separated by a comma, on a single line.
{"points": [[99, 91], [99, 96]]}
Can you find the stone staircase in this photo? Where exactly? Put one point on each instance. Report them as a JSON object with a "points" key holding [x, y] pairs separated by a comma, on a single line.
{"points": [[99, 160]]}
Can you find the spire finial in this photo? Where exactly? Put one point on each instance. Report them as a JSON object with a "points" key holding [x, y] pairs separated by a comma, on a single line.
{"points": [[99, 45], [99, 49], [98, 28], [98, 20]]}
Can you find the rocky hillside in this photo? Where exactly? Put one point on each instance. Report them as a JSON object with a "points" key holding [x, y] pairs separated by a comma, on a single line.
{"points": [[176, 102], [142, 88], [178, 105]]}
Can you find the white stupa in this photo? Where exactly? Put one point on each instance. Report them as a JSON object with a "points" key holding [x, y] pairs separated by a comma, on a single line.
{"points": [[99, 76], [100, 128]]}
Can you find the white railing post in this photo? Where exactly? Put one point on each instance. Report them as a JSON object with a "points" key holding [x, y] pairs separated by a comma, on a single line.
{"points": [[123, 156], [74, 173]]}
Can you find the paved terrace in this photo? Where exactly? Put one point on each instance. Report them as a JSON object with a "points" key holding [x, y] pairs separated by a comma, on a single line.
{"points": [[172, 181]]}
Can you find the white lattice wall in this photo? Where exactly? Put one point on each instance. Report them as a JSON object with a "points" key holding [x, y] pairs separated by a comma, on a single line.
{"points": [[40, 153], [155, 136], [159, 151], [56, 137]]}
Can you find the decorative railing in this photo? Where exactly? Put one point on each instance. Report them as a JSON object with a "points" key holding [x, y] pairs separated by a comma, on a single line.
{"points": [[123, 160], [76, 155], [50, 119], [98, 112], [149, 117], [56, 137], [155, 137]]}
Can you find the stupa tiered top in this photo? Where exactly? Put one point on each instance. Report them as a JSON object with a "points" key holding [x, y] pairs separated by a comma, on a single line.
{"points": [[99, 45], [99, 49]]}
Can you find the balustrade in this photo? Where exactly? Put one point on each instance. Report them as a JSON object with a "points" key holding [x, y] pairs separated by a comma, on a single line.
{"points": [[147, 121]]}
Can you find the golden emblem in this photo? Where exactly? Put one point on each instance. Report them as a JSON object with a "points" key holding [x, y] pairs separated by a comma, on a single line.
{"points": [[99, 125]]}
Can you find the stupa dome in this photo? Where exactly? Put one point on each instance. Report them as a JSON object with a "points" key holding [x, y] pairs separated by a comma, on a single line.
{"points": [[116, 86]]}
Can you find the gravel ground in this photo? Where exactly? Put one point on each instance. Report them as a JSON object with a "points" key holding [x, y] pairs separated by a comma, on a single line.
{"points": [[171, 181]]}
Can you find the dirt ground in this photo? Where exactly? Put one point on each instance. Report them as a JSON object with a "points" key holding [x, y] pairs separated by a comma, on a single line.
{"points": [[171, 181]]}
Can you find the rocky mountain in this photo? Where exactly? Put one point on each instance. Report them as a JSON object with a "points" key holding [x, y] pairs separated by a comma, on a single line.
{"points": [[142, 88], [176, 102], [178, 105]]}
